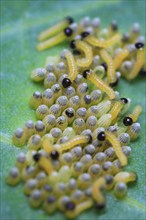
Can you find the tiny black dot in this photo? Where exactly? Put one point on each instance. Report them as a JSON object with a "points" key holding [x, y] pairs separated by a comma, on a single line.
{"points": [[54, 155], [66, 82], [76, 52], [86, 73], [139, 45], [72, 44], [89, 139], [70, 206], [69, 113], [84, 34], [69, 19], [105, 66], [114, 83], [68, 31], [101, 136], [36, 157], [124, 100], [127, 121]]}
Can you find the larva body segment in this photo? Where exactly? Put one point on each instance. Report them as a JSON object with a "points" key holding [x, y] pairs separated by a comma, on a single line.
{"points": [[111, 74]]}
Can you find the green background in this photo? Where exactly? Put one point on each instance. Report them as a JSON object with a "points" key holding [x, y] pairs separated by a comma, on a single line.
{"points": [[21, 21]]}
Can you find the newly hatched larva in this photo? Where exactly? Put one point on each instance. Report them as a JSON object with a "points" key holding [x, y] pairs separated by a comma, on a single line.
{"points": [[42, 111], [111, 74], [47, 145], [117, 147], [87, 50], [136, 113], [125, 177], [60, 37], [43, 163], [120, 57], [72, 66], [75, 141], [35, 100], [49, 121], [97, 194], [139, 61], [38, 74], [102, 43], [50, 80], [89, 74], [19, 137], [55, 29], [72, 211], [115, 110]]}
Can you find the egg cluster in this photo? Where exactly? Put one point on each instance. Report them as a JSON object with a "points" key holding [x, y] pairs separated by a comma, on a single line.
{"points": [[79, 146]]}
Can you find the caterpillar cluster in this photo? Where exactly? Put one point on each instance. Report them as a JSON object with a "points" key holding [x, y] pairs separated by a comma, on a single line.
{"points": [[79, 146]]}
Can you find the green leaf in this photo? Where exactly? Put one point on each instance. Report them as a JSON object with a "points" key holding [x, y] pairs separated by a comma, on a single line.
{"points": [[21, 23]]}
